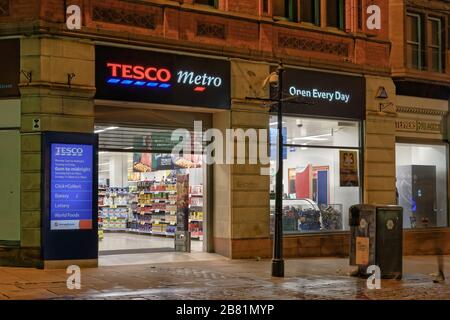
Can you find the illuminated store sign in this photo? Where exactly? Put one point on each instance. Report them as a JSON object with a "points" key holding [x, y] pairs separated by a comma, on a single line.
{"points": [[154, 77], [324, 94], [317, 94], [71, 186], [69, 196]]}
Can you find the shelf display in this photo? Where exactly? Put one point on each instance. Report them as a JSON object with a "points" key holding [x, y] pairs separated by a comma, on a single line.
{"points": [[148, 207], [331, 217], [302, 215]]}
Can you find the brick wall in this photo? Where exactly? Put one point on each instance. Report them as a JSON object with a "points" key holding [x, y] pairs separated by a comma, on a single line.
{"points": [[236, 29]]}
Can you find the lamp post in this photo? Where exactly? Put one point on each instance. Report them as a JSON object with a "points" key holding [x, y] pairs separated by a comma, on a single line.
{"points": [[277, 261]]}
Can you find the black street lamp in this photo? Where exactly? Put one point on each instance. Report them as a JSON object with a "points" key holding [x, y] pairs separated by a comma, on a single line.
{"points": [[277, 261]]}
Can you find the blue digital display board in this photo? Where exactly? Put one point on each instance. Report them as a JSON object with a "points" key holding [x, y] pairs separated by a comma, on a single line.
{"points": [[71, 186]]}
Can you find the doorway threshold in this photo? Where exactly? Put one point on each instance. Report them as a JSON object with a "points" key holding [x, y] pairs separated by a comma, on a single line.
{"points": [[131, 251], [156, 257]]}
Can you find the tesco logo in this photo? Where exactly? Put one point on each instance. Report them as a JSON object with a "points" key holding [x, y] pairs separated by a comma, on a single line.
{"points": [[153, 77], [70, 152], [139, 72]]}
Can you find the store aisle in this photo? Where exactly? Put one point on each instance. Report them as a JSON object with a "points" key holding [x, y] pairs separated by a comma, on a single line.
{"points": [[128, 241]]}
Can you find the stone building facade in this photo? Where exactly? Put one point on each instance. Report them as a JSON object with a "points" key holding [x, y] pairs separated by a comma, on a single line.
{"points": [[250, 34]]}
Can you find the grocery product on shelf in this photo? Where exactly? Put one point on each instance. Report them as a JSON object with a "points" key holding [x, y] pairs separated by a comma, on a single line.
{"points": [[331, 217]]}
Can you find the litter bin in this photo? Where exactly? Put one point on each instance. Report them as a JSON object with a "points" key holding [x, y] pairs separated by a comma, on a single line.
{"points": [[376, 239]]}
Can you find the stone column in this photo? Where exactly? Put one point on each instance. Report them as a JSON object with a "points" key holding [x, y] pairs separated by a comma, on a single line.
{"points": [[241, 193], [379, 136], [59, 106]]}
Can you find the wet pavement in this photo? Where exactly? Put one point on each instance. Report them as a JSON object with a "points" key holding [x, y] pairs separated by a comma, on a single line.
{"points": [[314, 278]]}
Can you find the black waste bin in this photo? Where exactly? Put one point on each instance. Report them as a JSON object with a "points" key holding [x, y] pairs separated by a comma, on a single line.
{"points": [[377, 239]]}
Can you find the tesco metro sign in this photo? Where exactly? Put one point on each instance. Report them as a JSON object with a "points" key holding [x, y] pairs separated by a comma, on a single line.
{"points": [[161, 77]]}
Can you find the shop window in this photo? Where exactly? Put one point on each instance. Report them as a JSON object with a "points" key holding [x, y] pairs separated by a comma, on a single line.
{"points": [[310, 11], [212, 3], [422, 184], [321, 173], [336, 13]]}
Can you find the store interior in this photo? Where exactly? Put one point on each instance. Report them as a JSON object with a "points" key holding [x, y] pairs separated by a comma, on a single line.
{"points": [[318, 188], [138, 199]]}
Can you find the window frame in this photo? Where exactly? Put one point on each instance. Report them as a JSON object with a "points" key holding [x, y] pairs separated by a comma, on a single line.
{"points": [[419, 43], [430, 45]]}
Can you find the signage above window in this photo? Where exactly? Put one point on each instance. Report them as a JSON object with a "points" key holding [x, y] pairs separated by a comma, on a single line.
{"points": [[323, 94], [10, 68], [162, 78]]}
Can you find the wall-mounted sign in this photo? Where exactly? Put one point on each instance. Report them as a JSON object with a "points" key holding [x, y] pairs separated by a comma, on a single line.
{"points": [[348, 168], [69, 197], [10, 68], [323, 94], [419, 126], [161, 78], [72, 167]]}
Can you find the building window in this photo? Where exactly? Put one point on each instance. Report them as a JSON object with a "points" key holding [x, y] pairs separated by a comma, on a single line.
{"points": [[336, 13], [265, 6], [286, 9], [321, 173], [424, 43], [435, 50], [310, 11], [414, 42], [212, 3], [422, 184], [360, 15]]}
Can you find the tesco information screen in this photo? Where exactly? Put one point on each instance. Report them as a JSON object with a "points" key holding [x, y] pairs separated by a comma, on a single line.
{"points": [[71, 186]]}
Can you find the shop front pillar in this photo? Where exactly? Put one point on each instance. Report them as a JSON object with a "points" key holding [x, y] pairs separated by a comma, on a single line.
{"points": [[241, 192], [49, 102], [379, 141]]}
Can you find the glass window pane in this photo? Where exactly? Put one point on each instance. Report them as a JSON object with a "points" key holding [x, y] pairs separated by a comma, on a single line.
{"points": [[412, 31], [333, 13], [279, 8], [422, 184], [412, 56], [434, 32], [306, 131], [318, 190], [435, 60]]}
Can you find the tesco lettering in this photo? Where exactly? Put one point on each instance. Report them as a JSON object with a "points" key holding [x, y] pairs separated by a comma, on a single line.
{"points": [[71, 152], [163, 75], [139, 72]]}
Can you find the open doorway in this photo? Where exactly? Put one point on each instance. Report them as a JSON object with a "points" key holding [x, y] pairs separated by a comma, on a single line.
{"points": [[138, 192]]}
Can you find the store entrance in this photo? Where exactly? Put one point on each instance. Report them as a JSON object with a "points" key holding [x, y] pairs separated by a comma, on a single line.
{"points": [[138, 192]]}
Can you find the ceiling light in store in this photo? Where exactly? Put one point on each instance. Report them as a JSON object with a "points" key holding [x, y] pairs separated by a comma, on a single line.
{"points": [[320, 137], [106, 129], [275, 123], [128, 148]]}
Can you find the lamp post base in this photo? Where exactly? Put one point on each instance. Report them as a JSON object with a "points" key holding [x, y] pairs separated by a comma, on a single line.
{"points": [[277, 268]]}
